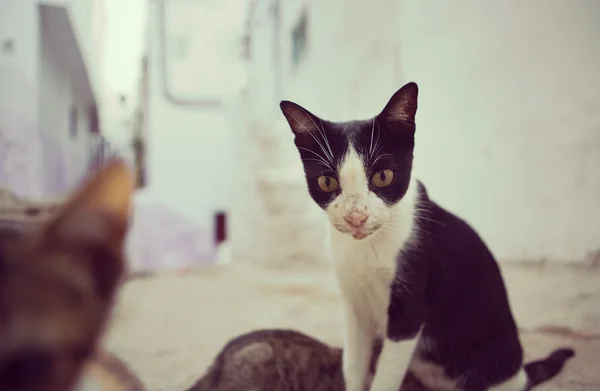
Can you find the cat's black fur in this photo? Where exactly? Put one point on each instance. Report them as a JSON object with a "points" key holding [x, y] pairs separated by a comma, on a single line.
{"points": [[395, 151], [461, 299], [455, 286]]}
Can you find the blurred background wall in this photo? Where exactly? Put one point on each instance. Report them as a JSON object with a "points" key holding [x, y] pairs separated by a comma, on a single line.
{"points": [[187, 91], [49, 90]]}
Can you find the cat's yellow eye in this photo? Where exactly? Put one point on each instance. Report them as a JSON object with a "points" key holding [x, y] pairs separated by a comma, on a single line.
{"points": [[327, 183], [382, 178]]}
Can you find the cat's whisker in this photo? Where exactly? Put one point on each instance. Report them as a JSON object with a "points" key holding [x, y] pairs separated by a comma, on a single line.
{"points": [[318, 161], [379, 147], [321, 159], [428, 219], [377, 141], [322, 132], [329, 157], [326, 139], [381, 157], [419, 215], [321, 212], [376, 152], [370, 154], [419, 229]]}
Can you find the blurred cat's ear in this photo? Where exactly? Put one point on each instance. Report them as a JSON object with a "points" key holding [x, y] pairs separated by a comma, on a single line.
{"points": [[301, 120], [94, 223], [402, 107], [105, 200]]}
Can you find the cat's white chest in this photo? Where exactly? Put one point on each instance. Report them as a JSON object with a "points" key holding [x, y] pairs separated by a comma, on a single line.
{"points": [[365, 272]]}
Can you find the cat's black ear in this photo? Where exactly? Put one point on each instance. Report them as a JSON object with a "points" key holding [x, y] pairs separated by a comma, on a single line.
{"points": [[301, 120], [402, 107]]}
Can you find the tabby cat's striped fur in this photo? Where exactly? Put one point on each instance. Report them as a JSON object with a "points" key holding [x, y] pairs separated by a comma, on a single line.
{"points": [[61, 262]]}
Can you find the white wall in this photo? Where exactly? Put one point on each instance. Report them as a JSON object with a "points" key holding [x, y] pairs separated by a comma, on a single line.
{"points": [[125, 39], [20, 154], [190, 152], [66, 158], [38, 155], [350, 65], [274, 222], [88, 18], [508, 128]]}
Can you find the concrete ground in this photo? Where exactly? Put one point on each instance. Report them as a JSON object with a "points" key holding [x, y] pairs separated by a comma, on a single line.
{"points": [[169, 327]]}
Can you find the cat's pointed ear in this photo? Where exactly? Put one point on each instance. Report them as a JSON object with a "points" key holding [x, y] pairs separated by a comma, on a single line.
{"points": [[402, 107], [302, 121], [99, 210], [94, 224]]}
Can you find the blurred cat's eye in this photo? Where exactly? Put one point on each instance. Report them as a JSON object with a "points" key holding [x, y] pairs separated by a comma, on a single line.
{"points": [[382, 178], [327, 183]]}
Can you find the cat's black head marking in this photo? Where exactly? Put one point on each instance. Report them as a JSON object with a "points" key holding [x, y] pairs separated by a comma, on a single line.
{"points": [[346, 163]]}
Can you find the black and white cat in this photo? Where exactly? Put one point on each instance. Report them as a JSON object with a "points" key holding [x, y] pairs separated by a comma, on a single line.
{"points": [[407, 269]]}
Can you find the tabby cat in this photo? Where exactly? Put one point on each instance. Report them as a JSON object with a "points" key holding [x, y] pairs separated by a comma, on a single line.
{"points": [[58, 282], [286, 360], [408, 270], [276, 360]]}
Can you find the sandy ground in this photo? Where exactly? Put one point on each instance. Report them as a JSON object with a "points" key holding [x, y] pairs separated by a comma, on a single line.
{"points": [[169, 327]]}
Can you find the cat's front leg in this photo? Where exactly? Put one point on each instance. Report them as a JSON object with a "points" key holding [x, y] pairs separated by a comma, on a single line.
{"points": [[358, 346], [406, 318], [393, 364]]}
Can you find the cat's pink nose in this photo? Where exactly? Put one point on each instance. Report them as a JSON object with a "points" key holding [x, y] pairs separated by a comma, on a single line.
{"points": [[356, 220]]}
